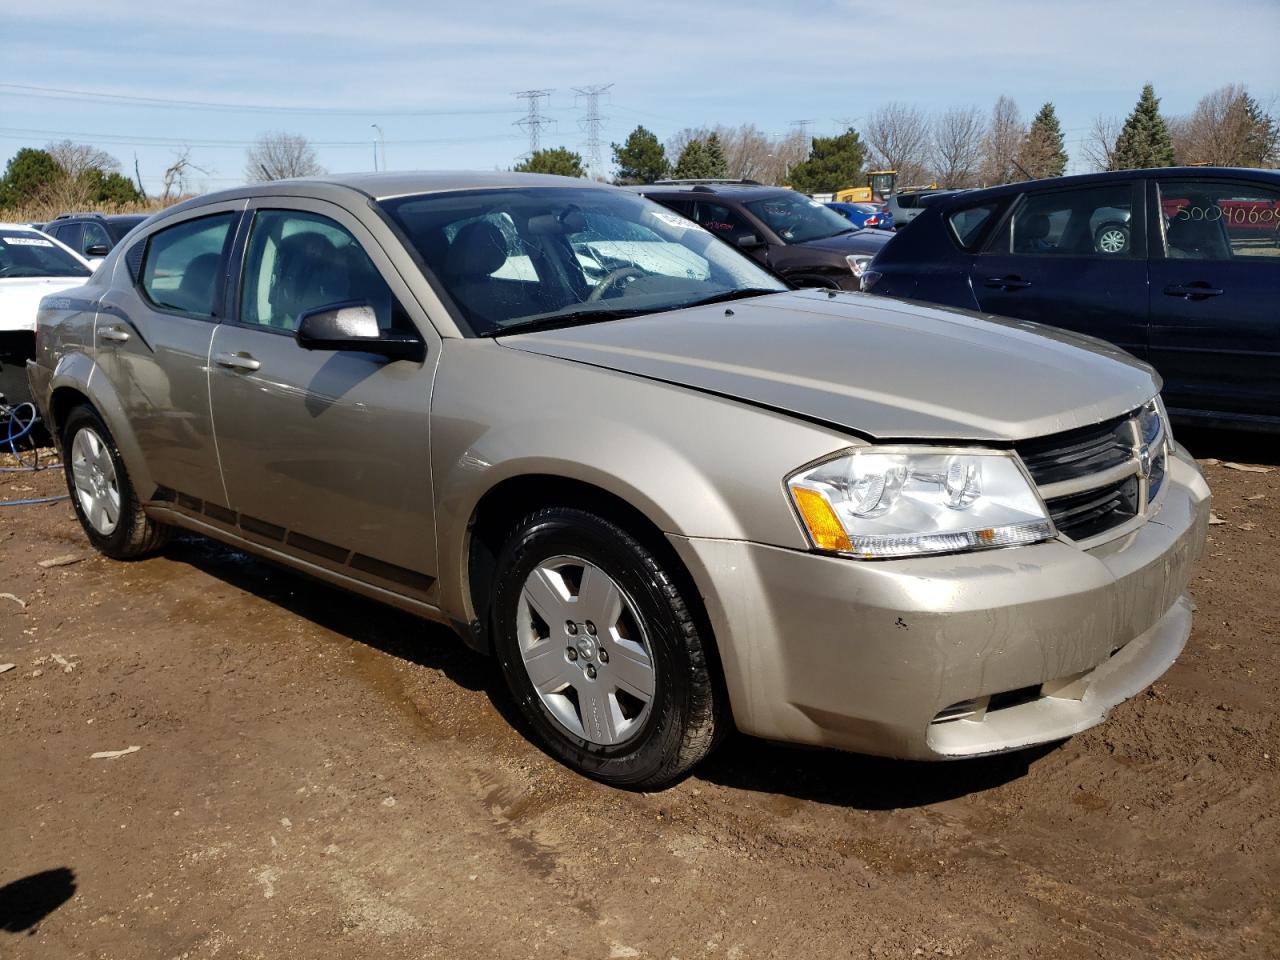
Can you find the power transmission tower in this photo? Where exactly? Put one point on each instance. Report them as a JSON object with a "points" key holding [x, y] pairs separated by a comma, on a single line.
{"points": [[534, 121], [591, 123]]}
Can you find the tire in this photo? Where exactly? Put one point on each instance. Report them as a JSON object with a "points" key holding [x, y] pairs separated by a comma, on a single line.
{"points": [[553, 561], [88, 449], [1112, 239]]}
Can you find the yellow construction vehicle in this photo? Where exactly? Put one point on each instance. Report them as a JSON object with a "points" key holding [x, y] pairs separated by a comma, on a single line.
{"points": [[880, 185]]}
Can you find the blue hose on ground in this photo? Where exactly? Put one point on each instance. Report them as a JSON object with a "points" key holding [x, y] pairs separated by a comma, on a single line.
{"points": [[13, 416], [27, 503]]}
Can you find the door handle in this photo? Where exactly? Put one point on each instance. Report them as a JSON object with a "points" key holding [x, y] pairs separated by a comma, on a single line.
{"points": [[236, 361], [114, 334], [1192, 291], [1006, 283]]}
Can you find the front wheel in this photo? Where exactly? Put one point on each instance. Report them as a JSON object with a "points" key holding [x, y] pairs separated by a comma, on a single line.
{"points": [[1111, 239], [601, 652], [101, 492]]}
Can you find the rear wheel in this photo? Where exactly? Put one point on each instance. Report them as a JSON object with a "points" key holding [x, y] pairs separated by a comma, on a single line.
{"points": [[601, 652], [1111, 239], [101, 493]]}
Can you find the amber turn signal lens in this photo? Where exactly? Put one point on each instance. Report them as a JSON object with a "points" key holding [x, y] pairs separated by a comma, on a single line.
{"points": [[824, 526]]}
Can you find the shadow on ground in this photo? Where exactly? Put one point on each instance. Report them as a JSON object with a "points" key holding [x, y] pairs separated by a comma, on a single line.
{"points": [[855, 780], [25, 902], [1232, 445]]}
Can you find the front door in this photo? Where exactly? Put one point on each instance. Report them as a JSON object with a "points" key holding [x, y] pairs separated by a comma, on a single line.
{"points": [[1074, 259], [1215, 296], [152, 343], [326, 452]]}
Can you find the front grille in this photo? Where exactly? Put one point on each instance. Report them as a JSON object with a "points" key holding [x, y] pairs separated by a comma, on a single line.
{"points": [[1076, 471], [1091, 512], [1077, 453]]}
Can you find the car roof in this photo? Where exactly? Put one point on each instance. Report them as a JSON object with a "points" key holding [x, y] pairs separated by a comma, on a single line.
{"points": [[983, 194], [730, 190]]}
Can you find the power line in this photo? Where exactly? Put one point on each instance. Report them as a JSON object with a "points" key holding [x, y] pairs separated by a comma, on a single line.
{"points": [[533, 120], [145, 140], [591, 123], [121, 99]]}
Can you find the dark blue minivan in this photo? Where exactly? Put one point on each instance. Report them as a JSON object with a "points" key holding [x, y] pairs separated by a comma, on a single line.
{"points": [[1180, 266]]}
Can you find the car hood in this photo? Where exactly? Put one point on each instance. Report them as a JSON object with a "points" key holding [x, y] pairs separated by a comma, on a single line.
{"points": [[882, 368], [864, 240], [20, 298]]}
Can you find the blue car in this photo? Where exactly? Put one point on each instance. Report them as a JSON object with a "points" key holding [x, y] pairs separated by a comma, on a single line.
{"points": [[874, 215], [1180, 266]]}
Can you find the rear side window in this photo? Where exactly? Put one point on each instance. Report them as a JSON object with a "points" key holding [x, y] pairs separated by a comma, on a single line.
{"points": [[907, 201], [1204, 220], [1089, 222], [182, 265], [967, 225]]}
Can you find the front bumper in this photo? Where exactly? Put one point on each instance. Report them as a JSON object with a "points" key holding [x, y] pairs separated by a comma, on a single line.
{"points": [[865, 655]]}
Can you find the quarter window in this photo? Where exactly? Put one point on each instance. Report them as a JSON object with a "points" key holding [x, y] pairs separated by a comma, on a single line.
{"points": [[182, 265], [1092, 222], [298, 262], [1219, 221], [967, 224]]}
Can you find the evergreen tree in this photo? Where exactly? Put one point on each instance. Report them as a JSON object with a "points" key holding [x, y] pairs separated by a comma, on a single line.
{"points": [[112, 188], [1144, 141], [716, 162], [694, 163], [558, 160], [1043, 153], [29, 173], [833, 164], [1262, 139], [641, 158]]}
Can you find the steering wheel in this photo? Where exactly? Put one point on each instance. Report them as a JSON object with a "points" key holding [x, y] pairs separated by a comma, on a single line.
{"points": [[612, 279]]}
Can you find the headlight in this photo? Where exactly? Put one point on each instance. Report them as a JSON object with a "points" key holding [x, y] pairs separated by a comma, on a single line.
{"points": [[1155, 439], [883, 502]]}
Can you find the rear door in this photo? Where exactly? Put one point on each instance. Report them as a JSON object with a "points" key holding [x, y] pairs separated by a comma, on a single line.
{"points": [[325, 452], [152, 342], [1215, 295], [1073, 258]]}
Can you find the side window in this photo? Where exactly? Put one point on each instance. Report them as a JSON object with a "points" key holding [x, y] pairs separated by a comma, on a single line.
{"points": [[297, 262], [1090, 222], [967, 225], [181, 266], [94, 235], [725, 223], [1219, 221], [68, 233]]}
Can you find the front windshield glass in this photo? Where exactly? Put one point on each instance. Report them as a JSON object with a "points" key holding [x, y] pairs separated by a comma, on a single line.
{"points": [[28, 253], [796, 219], [524, 258]]}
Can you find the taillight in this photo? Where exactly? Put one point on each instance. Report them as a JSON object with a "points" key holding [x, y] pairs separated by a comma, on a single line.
{"points": [[872, 221]]}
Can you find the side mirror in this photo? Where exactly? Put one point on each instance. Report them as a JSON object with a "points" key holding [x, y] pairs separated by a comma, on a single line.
{"points": [[354, 327], [749, 241], [97, 250]]}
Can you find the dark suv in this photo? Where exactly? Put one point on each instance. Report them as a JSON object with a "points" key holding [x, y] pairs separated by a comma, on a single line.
{"points": [[801, 240], [92, 235], [1180, 266]]}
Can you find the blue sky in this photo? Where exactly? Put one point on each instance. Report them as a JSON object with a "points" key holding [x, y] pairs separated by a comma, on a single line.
{"points": [[439, 78]]}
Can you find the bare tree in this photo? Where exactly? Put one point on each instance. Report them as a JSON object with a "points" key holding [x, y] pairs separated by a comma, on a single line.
{"points": [[76, 158], [1227, 128], [956, 148], [177, 176], [280, 156], [1002, 143], [898, 135], [1099, 144]]}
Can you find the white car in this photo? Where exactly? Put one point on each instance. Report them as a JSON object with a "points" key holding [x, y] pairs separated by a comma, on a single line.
{"points": [[32, 266]]}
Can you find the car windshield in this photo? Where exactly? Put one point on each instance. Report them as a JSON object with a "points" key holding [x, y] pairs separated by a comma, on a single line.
{"points": [[797, 219], [27, 253], [528, 258]]}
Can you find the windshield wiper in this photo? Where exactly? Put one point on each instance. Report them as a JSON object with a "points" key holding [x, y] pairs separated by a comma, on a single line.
{"points": [[728, 295], [572, 318]]}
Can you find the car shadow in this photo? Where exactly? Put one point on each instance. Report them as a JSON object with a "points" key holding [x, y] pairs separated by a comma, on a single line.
{"points": [[376, 625], [24, 903], [1232, 445], [741, 762], [858, 781]]}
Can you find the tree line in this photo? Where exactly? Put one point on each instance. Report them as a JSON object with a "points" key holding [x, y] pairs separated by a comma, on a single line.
{"points": [[957, 147]]}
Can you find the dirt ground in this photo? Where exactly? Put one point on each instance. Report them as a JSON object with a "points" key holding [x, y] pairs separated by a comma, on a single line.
{"points": [[318, 776]]}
